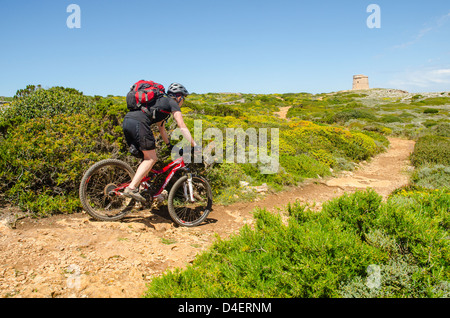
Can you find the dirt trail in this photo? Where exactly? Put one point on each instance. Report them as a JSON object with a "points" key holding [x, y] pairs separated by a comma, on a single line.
{"points": [[283, 112], [74, 256]]}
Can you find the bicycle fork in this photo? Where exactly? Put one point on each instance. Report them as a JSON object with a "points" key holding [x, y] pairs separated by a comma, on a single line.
{"points": [[189, 189]]}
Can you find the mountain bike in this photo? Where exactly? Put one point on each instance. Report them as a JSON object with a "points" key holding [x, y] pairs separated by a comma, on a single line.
{"points": [[189, 197]]}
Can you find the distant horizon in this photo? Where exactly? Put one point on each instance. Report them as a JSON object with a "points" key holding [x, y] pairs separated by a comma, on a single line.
{"points": [[300, 92]]}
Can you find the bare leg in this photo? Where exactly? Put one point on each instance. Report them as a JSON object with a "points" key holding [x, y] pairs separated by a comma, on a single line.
{"points": [[144, 168]]}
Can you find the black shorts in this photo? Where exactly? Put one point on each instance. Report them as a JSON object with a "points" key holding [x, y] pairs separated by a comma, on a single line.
{"points": [[139, 134]]}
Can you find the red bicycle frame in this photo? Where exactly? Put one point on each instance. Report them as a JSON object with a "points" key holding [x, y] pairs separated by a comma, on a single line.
{"points": [[174, 165]]}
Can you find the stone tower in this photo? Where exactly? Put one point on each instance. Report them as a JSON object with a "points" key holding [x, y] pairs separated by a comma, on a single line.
{"points": [[360, 82]]}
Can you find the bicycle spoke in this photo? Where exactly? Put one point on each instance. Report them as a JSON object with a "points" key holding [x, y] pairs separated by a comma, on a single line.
{"points": [[189, 213], [99, 196]]}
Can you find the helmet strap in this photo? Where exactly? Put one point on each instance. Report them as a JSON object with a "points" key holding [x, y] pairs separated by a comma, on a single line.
{"points": [[179, 99]]}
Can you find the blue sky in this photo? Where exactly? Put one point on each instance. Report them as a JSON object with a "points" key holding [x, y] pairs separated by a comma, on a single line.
{"points": [[247, 46]]}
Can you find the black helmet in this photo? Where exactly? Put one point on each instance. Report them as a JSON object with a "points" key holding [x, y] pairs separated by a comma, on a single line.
{"points": [[176, 88]]}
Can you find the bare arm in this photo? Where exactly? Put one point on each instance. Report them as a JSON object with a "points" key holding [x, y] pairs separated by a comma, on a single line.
{"points": [[162, 130], [184, 130]]}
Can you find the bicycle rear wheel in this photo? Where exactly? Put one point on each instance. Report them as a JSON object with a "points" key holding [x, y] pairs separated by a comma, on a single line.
{"points": [[186, 213], [98, 190]]}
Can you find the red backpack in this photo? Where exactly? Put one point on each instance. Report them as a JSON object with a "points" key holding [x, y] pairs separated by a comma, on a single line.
{"points": [[143, 93]]}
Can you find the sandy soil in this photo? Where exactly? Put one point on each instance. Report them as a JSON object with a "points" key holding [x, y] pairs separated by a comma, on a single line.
{"points": [[75, 256], [283, 112]]}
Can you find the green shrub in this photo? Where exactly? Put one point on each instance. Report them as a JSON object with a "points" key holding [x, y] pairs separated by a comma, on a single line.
{"points": [[43, 160], [391, 119], [361, 147], [430, 111], [324, 254], [226, 175], [276, 181], [345, 115], [305, 258], [379, 138], [432, 150], [50, 137], [432, 177], [441, 129], [420, 221], [358, 211], [380, 130], [304, 166], [353, 145], [225, 179], [433, 101], [429, 123], [34, 102], [398, 278]]}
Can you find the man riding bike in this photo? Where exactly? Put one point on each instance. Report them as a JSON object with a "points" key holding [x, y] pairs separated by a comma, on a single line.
{"points": [[139, 137]]}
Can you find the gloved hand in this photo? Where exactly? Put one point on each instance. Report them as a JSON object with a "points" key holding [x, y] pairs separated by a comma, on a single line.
{"points": [[169, 146], [174, 149]]}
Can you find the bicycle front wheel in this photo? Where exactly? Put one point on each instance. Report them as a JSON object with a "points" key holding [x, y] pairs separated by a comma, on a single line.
{"points": [[182, 210], [99, 190]]}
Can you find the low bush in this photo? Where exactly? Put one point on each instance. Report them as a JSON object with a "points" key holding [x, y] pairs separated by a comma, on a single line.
{"points": [[378, 136], [304, 166], [391, 119], [358, 211], [50, 138], [431, 149], [429, 123], [34, 102], [433, 101], [42, 161], [420, 222], [328, 253], [354, 145], [430, 111], [345, 115], [379, 130], [441, 129], [432, 177]]}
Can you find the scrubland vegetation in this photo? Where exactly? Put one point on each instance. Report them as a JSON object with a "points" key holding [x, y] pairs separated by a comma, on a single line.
{"points": [[49, 137], [328, 253], [357, 245]]}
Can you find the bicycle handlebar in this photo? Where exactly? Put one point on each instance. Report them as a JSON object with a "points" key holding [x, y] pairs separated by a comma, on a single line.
{"points": [[181, 151]]}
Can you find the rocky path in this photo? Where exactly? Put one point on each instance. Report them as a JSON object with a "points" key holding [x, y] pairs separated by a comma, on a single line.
{"points": [[74, 256]]}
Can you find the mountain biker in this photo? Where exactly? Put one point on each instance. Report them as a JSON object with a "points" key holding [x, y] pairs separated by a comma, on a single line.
{"points": [[139, 136]]}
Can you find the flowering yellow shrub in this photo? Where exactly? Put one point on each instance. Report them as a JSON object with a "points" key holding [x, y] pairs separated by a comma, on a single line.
{"points": [[50, 137]]}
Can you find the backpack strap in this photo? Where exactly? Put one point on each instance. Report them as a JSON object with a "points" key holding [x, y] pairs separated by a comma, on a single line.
{"points": [[143, 97], [152, 111]]}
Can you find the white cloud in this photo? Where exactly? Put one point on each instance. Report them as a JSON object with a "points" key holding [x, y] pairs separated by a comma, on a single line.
{"points": [[426, 79], [424, 31], [442, 20], [442, 72]]}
